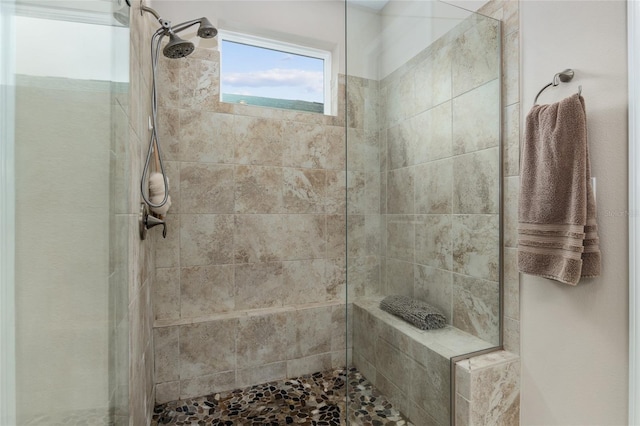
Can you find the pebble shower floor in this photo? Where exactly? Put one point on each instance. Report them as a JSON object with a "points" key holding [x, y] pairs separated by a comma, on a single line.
{"points": [[314, 399]]}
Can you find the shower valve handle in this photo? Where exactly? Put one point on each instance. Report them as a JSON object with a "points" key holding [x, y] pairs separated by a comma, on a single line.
{"points": [[154, 221], [147, 221]]}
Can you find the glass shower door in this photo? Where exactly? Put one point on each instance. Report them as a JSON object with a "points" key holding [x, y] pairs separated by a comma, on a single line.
{"points": [[71, 74], [423, 225]]}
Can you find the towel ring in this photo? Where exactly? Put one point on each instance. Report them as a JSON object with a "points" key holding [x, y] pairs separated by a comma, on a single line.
{"points": [[561, 77]]}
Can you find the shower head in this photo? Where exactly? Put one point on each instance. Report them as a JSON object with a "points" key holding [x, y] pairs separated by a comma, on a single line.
{"points": [[177, 47], [206, 29]]}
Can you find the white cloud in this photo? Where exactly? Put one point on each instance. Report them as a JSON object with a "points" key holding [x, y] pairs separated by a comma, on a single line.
{"points": [[310, 81]]}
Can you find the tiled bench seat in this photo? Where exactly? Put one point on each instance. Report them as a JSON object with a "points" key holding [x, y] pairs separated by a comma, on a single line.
{"points": [[411, 367]]}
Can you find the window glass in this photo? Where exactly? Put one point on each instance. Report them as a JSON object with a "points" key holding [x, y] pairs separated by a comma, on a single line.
{"points": [[272, 77]]}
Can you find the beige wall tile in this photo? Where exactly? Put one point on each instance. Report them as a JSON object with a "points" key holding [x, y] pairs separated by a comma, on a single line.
{"points": [[305, 145], [399, 144], [167, 354], [259, 285], [511, 68], [432, 139], [476, 307], [207, 348], [429, 388], [304, 190], [205, 290], [263, 339], [475, 246], [258, 238], [207, 384], [199, 83], [167, 253], [400, 193], [434, 245], [435, 287], [476, 182], [168, 391], [399, 278], [311, 332], [434, 187], [495, 395], [261, 374], [206, 137], [401, 238], [258, 141], [206, 239], [258, 189], [475, 56], [336, 279], [476, 118], [204, 188], [304, 237], [304, 281], [166, 293], [311, 364], [433, 79]]}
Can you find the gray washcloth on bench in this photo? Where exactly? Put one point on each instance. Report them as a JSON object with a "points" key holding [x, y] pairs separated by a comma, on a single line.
{"points": [[416, 312]]}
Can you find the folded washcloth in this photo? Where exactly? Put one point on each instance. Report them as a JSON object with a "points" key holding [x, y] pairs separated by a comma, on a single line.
{"points": [[416, 312], [558, 235]]}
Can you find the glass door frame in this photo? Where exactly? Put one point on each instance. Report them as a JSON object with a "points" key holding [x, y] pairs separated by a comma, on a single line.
{"points": [[7, 215]]}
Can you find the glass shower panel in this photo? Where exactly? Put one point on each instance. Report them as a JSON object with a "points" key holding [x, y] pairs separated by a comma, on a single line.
{"points": [[71, 277], [423, 167]]}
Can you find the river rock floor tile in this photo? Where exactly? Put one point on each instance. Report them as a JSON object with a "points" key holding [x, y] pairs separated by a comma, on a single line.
{"points": [[314, 399]]}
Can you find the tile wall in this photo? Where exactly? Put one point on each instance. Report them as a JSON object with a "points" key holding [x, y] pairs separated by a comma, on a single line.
{"points": [[250, 281], [140, 268], [440, 128]]}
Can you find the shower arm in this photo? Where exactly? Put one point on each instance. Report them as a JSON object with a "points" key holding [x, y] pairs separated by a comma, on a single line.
{"points": [[167, 24], [183, 26]]}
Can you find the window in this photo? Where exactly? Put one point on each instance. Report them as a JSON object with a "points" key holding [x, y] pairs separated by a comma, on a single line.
{"points": [[258, 71]]}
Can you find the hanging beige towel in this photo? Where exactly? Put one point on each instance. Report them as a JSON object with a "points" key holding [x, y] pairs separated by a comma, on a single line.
{"points": [[557, 231]]}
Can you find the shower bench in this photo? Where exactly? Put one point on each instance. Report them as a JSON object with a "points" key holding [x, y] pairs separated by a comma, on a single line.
{"points": [[411, 367]]}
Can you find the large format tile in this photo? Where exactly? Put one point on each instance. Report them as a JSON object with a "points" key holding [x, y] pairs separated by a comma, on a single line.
{"points": [[263, 339], [400, 193], [258, 141], [476, 56], [258, 238], [204, 188], [259, 285], [476, 246], [476, 307], [206, 239], [206, 137], [434, 187], [476, 119], [258, 189], [207, 348], [304, 190], [205, 290], [434, 241], [476, 182]]}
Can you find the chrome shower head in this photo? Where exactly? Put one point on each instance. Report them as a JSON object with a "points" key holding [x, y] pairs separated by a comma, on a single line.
{"points": [[177, 47], [206, 29]]}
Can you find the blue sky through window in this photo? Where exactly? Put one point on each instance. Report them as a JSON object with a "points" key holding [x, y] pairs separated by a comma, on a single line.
{"points": [[256, 71]]}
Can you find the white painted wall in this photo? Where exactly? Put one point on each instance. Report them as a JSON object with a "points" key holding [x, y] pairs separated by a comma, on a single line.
{"points": [[378, 41], [575, 339]]}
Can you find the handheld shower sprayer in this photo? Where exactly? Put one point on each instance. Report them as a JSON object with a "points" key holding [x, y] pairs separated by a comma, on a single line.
{"points": [[175, 48], [158, 187]]}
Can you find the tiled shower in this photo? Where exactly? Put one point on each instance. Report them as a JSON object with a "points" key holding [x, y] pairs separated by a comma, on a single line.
{"points": [[287, 228]]}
